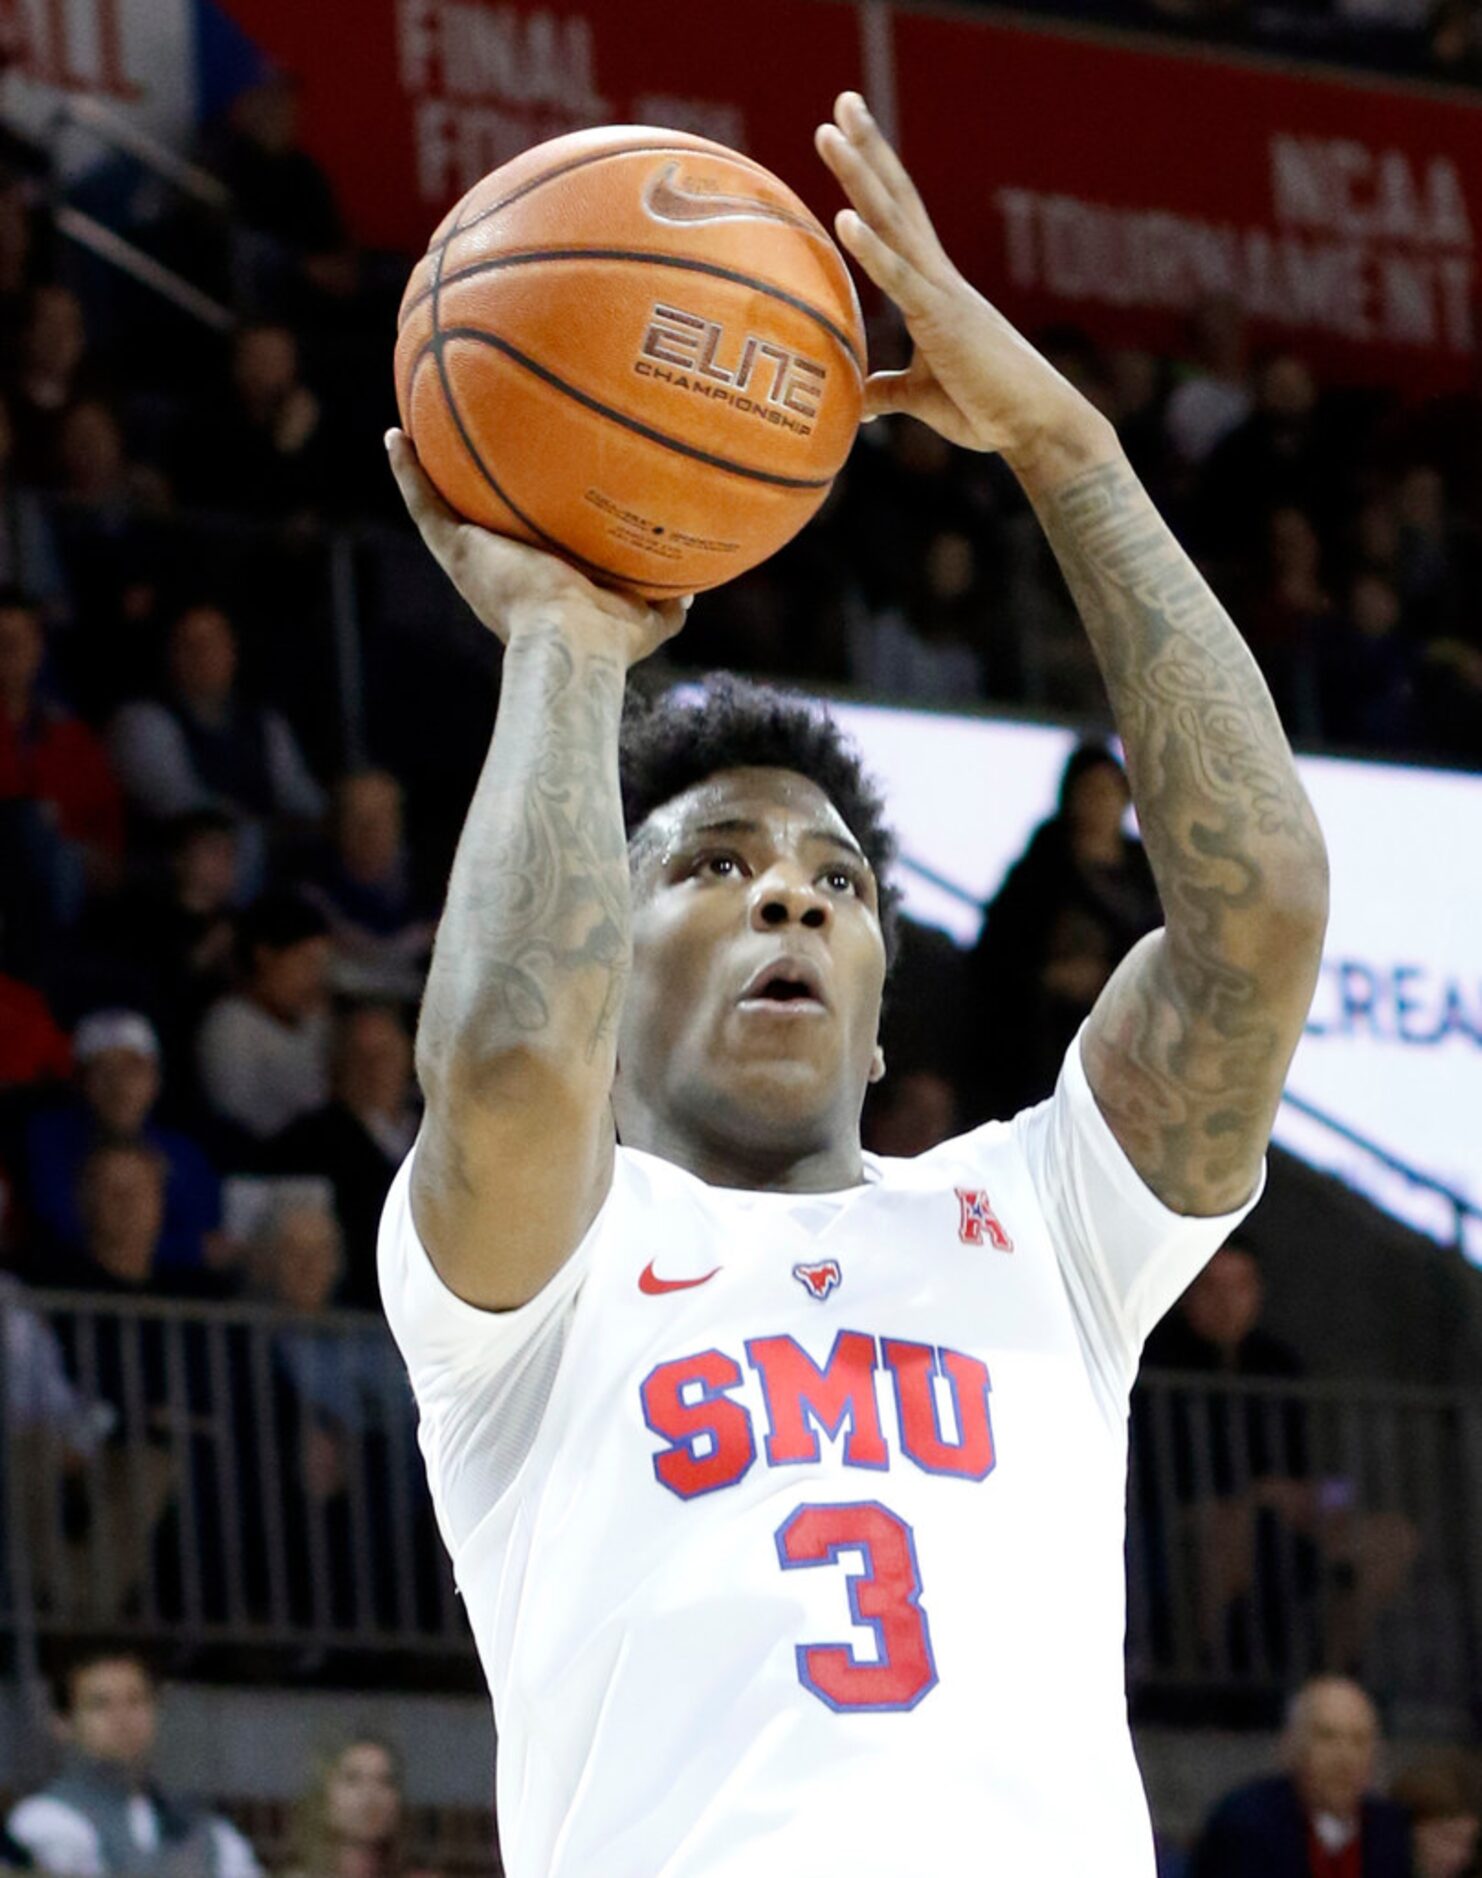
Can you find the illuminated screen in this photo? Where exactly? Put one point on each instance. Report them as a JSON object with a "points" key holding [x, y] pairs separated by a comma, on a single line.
{"points": [[1392, 1055]]}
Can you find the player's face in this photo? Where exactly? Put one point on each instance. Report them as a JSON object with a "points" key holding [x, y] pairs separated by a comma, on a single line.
{"points": [[758, 964]]}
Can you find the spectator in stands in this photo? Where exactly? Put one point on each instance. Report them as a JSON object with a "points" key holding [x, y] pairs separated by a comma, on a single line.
{"points": [[50, 371], [175, 936], [346, 1382], [340, 1408], [42, 1405], [1320, 1817], [60, 805], [932, 648], [1440, 1794], [1078, 899], [1368, 670], [1278, 457], [360, 1138], [903, 490], [1265, 1505], [33, 1047], [382, 931], [263, 1051], [28, 549], [1428, 571], [92, 469], [1449, 686], [350, 1823], [104, 1812], [282, 194], [1287, 617], [1456, 41], [264, 451], [203, 745], [121, 1196], [152, 1373], [111, 518], [1137, 406], [117, 1059], [918, 1103], [52, 1458], [1213, 395]]}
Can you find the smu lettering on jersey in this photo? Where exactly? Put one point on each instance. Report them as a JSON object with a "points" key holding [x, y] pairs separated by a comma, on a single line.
{"points": [[790, 1526]]}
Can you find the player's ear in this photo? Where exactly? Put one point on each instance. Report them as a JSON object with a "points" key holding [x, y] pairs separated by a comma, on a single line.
{"points": [[877, 1065]]}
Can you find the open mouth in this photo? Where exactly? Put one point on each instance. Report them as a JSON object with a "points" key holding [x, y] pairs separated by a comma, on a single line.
{"points": [[785, 985]]}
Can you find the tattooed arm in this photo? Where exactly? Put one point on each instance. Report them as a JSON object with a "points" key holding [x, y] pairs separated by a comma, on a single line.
{"points": [[516, 1045], [1189, 1043]]}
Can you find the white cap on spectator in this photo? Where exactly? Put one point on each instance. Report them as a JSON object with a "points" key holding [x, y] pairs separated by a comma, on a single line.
{"points": [[114, 1030]]}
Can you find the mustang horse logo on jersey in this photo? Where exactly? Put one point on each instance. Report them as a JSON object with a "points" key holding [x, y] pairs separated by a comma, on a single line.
{"points": [[819, 1280]]}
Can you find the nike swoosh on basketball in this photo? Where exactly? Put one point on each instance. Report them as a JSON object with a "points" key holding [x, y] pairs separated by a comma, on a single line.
{"points": [[654, 1287], [668, 203]]}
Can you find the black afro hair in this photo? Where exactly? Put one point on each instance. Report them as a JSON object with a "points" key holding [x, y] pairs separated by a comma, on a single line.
{"points": [[675, 740]]}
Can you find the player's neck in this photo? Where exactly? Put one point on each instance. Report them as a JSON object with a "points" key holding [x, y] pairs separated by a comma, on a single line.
{"points": [[827, 1168]]}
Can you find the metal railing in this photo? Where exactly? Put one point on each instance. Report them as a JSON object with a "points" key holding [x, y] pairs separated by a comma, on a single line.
{"points": [[223, 1475], [119, 134], [1278, 1529], [235, 1475]]}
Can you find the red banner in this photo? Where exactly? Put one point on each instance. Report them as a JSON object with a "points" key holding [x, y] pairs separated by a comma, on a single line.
{"points": [[1072, 178], [1078, 180], [409, 102]]}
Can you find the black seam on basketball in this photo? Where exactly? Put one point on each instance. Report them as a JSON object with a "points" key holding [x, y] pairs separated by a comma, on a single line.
{"points": [[582, 162], [480, 337], [436, 343], [527, 257]]}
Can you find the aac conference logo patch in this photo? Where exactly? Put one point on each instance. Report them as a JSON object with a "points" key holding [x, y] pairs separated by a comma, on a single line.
{"points": [[978, 1224]]}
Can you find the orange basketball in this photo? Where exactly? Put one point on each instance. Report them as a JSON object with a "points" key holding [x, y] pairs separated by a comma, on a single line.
{"points": [[637, 349]]}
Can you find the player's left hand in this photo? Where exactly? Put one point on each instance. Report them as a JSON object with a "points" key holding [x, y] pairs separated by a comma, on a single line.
{"points": [[973, 377]]}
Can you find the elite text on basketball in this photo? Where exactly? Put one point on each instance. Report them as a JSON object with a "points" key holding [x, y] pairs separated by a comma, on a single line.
{"points": [[767, 380]]}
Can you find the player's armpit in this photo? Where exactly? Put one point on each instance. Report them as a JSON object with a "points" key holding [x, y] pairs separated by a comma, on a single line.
{"points": [[1186, 1055], [505, 1185]]}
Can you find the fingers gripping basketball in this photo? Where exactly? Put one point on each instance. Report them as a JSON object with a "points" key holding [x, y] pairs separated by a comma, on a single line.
{"points": [[638, 350]]}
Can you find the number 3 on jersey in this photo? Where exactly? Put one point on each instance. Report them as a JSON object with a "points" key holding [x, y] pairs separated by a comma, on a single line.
{"points": [[886, 1595]]}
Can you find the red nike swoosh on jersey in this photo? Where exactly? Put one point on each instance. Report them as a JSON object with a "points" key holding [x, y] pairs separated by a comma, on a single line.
{"points": [[654, 1287], [666, 203]]}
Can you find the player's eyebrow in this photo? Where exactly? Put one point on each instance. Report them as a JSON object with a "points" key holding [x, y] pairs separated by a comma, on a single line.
{"points": [[743, 825]]}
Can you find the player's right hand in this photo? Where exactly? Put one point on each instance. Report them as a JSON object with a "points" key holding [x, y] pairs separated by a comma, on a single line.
{"points": [[509, 585]]}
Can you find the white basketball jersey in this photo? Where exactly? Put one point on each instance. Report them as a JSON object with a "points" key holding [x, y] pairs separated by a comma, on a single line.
{"points": [[790, 1527]]}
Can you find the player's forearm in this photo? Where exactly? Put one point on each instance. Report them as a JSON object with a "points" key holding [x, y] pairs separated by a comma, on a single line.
{"points": [[1233, 842], [534, 945]]}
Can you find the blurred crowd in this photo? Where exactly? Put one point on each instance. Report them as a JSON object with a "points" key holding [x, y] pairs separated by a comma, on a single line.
{"points": [[105, 1812], [1329, 1808]]}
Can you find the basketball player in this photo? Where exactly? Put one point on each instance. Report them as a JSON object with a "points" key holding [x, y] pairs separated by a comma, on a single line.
{"points": [[784, 1484]]}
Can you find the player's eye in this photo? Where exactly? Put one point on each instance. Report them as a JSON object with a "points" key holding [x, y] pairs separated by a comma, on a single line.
{"points": [[719, 866], [843, 880]]}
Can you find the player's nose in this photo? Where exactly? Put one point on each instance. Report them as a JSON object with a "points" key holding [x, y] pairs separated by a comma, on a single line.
{"points": [[787, 897]]}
